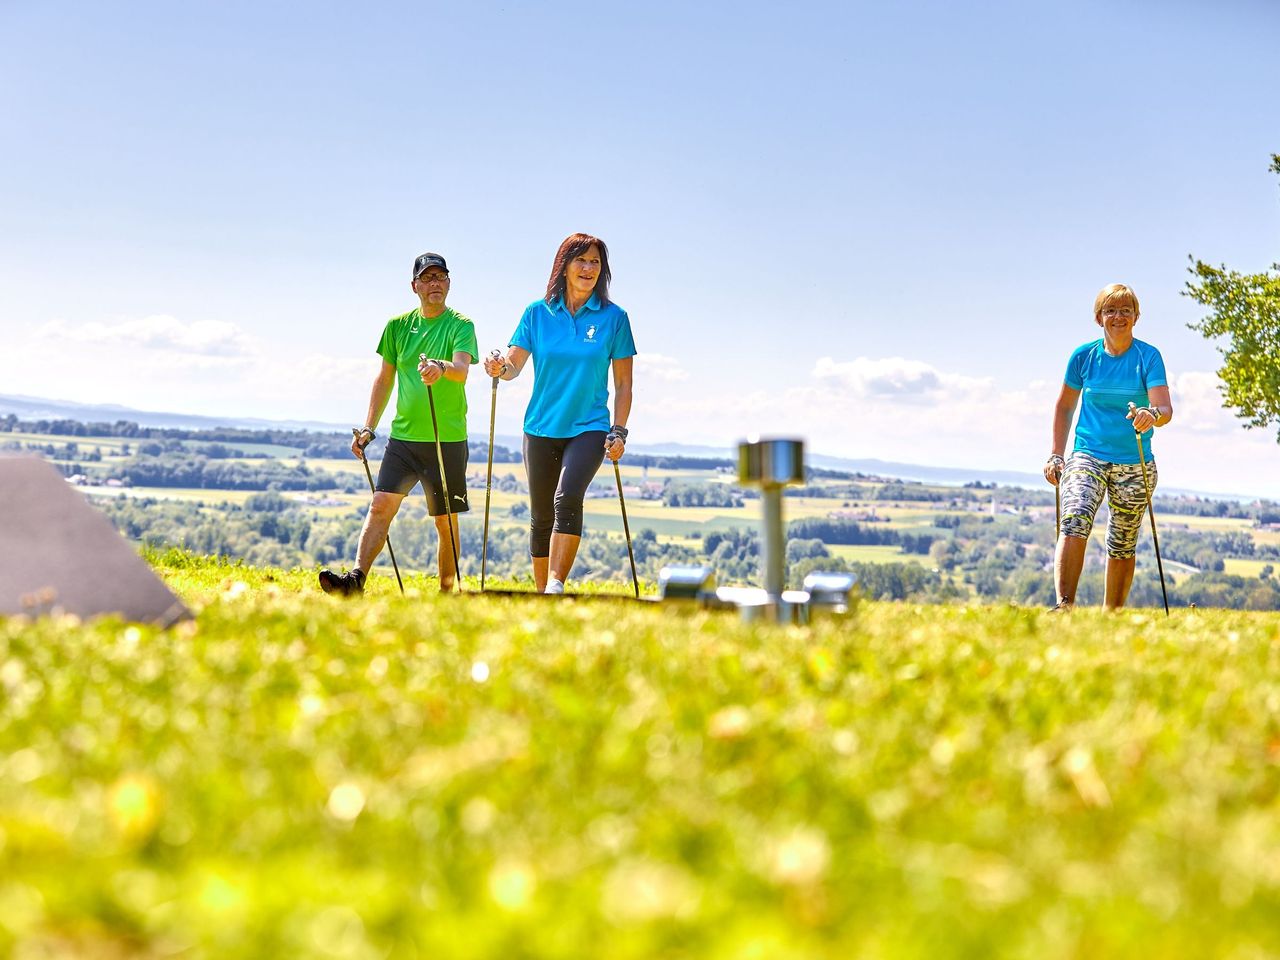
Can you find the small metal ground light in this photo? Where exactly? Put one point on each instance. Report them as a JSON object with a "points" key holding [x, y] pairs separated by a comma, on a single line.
{"points": [[769, 465], [830, 596], [830, 593], [686, 582], [772, 465]]}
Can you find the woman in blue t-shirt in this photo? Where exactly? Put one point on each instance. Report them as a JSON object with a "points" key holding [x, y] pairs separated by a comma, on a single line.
{"points": [[1122, 384], [576, 337]]}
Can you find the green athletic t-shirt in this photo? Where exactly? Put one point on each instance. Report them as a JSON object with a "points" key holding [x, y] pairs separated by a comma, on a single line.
{"points": [[402, 340]]}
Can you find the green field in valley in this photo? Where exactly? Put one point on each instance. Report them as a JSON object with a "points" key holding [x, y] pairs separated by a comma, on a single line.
{"points": [[870, 553], [289, 775], [928, 541], [1246, 567]]}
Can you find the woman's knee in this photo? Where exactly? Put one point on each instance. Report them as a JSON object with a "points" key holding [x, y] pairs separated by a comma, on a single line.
{"points": [[1122, 532], [568, 513], [1128, 502], [540, 535], [1076, 525]]}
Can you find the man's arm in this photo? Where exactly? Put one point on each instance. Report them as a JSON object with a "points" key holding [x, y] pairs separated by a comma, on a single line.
{"points": [[455, 370], [378, 397]]}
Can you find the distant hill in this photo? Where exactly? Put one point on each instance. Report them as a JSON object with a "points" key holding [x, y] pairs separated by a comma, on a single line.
{"points": [[40, 408]]}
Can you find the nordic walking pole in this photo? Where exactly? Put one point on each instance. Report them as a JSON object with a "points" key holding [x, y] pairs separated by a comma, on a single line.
{"points": [[488, 474], [635, 581], [444, 484], [1151, 509], [394, 566]]}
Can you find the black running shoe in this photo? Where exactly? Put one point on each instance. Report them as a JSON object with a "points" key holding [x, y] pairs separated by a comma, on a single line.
{"points": [[343, 584]]}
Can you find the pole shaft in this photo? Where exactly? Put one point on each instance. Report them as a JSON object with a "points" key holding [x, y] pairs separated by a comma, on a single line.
{"points": [[1151, 510], [391, 550], [444, 489], [626, 530], [488, 485]]}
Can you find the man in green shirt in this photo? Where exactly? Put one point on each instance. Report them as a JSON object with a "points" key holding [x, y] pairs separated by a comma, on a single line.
{"points": [[447, 339]]}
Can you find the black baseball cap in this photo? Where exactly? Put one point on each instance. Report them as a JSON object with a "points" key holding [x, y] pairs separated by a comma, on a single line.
{"points": [[426, 261]]}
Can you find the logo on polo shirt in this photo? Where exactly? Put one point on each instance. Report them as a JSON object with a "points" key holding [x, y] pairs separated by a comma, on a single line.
{"points": [[591, 334]]}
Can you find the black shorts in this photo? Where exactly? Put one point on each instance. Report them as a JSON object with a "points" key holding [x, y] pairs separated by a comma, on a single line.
{"points": [[409, 462]]}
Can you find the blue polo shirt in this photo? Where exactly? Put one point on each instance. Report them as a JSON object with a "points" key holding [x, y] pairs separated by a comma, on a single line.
{"points": [[572, 355], [1107, 386]]}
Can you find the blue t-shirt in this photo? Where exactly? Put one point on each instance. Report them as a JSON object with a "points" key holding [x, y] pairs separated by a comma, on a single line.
{"points": [[1107, 386], [571, 359]]}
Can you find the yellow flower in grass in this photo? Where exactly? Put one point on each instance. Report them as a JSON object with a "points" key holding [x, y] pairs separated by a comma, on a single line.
{"points": [[133, 805]]}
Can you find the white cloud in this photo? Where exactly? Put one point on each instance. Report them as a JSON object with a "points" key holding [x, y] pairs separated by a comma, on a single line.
{"points": [[894, 408], [209, 367], [657, 366], [890, 408], [1197, 403], [162, 332], [896, 378], [905, 410]]}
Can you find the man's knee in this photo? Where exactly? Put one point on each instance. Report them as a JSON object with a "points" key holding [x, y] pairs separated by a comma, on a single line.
{"points": [[384, 505]]}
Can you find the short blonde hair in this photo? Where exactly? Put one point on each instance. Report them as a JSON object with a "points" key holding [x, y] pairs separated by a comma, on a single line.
{"points": [[1115, 295]]}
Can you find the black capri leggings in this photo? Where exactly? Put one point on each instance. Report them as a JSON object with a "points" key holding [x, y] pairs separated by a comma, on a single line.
{"points": [[559, 470]]}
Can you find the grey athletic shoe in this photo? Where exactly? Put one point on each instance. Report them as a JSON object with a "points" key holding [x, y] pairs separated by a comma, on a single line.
{"points": [[554, 586], [343, 584]]}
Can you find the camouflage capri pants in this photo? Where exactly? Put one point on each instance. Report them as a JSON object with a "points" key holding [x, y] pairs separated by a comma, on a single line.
{"points": [[1083, 483]]}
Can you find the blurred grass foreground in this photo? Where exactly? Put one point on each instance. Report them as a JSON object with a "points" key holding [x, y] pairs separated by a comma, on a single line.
{"points": [[290, 775]]}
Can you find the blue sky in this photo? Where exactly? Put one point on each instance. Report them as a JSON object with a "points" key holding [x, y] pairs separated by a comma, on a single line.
{"points": [[879, 228]]}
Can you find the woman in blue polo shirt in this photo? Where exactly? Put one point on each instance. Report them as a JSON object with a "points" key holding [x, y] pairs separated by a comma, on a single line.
{"points": [[1107, 375], [576, 336]]}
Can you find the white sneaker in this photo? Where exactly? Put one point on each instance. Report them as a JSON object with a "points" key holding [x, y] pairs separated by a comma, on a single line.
{"points": [[554, 586]]}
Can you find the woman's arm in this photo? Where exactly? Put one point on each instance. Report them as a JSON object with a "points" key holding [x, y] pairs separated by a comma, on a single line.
{"points": [[1161, 404], [616, 442], [512, 364], [1062, 412], [622, 390], [1157, 413]]}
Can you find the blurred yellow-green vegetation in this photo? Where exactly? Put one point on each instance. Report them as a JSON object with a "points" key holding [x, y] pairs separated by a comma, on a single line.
{"points": [[292, 775]]}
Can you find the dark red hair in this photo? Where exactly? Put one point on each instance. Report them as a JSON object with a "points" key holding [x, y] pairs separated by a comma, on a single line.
{"points": [[572, 246]]}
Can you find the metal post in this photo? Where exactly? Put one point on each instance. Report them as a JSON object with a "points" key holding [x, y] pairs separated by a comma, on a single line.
{"points": [[773, 563], [772, 465]]}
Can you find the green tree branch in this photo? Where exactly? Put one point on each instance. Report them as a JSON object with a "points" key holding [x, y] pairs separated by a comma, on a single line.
{"points": [[1244, 308]]}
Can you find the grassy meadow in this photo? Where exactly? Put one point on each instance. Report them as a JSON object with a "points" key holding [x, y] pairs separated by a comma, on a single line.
{"points": [[290, 775]]}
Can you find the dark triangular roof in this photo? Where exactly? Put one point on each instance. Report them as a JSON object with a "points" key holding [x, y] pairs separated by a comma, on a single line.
{"points": [[61, 553]]}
